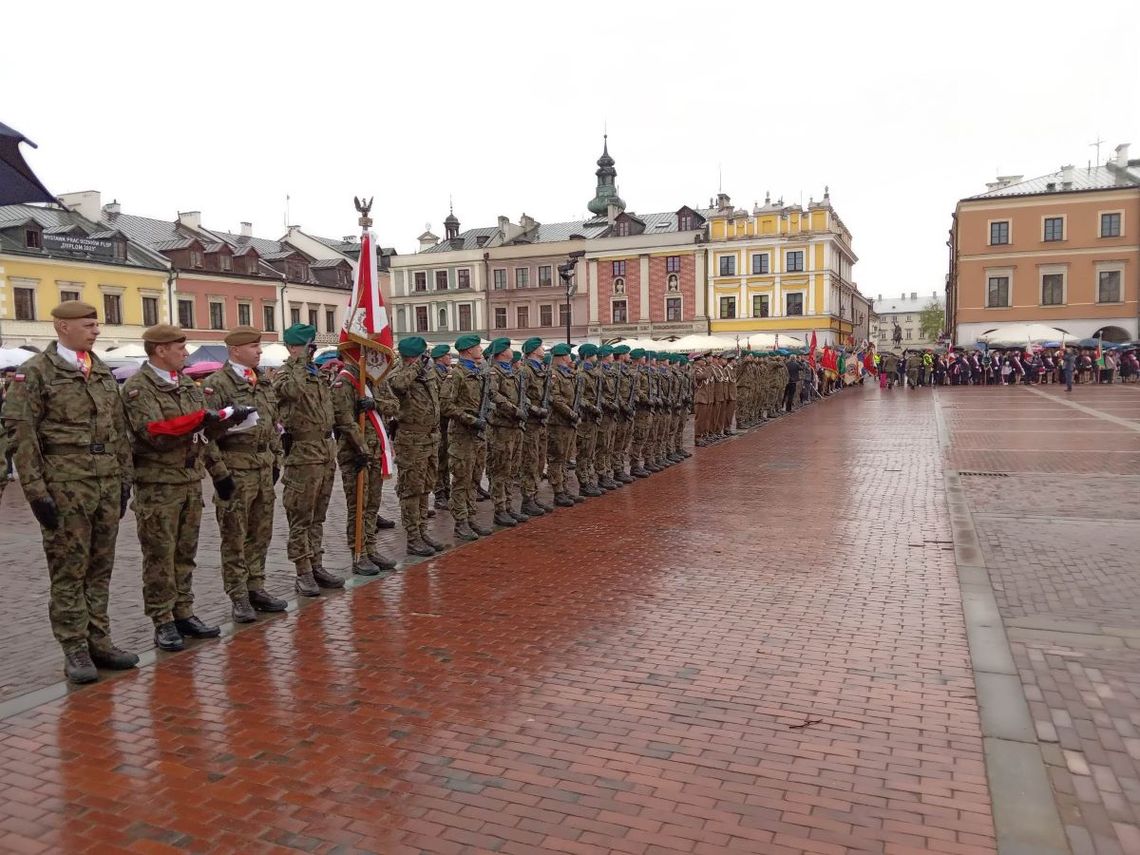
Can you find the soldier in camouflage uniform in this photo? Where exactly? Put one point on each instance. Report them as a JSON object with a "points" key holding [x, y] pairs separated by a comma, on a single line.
{"points": [[681, 411], [506, 419], [173, 438], [623, 431], [348, 406], [462, 404], [253, 456], [441, 359], [607, 429], [72, 450], [415, 384], [534, 439], [642, 401], [308, 417], [563, 422], [589, 413]]}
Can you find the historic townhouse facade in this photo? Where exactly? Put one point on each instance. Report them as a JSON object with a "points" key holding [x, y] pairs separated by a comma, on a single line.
{"points": [[783, 269], [1061, 249], [52, 254]]}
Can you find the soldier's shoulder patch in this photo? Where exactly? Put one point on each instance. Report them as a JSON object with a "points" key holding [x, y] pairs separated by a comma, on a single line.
{"points": [[207, 390], [133, 393], [19, 378], [337, 384]]}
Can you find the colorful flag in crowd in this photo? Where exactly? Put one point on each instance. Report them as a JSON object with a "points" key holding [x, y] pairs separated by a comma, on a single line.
{"points": [[811, 351], [368, 332]]}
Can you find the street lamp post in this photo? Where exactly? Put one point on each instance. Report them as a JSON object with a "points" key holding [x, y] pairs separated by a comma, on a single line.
{"points": [[566, 274]]}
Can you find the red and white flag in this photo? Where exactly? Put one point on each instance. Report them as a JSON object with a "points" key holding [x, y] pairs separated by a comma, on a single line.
{"points": [[367, 331]]}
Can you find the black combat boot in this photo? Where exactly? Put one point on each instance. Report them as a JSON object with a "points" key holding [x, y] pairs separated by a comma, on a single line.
{"points": [[383, 562], [263, 601], [305, 584], [504, 518], [418, 547], [193, 627], [431, 541], [563, 500], [384, 522], [167, 637], [530, 507], [78, 667], [463, 531], [480, 529], [363, 566], [112, 658], [325, 579], [242, 610]]}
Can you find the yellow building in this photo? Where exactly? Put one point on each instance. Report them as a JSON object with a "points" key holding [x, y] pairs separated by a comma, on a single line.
{"points": [[783, 269], [48, 255]]}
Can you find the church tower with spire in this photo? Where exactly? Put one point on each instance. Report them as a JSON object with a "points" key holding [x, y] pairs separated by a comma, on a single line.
{"points": [[451, 224], [606, 193]]}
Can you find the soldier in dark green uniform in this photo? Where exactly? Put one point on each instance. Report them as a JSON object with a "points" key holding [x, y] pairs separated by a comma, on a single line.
{"points": [[589, 414], [626, 410], [416, 385], [308, 416], [72, 450], [563, 422], [173, 439], [507, 420], [534, 440], [461, 403], [252, 452]]}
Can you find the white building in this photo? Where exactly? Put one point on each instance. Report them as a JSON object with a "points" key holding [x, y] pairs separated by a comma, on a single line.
{"points": [[903, 311]]}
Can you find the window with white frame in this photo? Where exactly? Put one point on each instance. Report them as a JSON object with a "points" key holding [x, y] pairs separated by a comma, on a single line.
{"points": [[500, 279], [441, 280], [727, 308], [421, 319], [419, 280], [464, 317], [463, 278], [25, 300], [794, 303], [997, 291], [1052, 288], [760, 263], [759, 305], [500, 317], [727, 265], [672, 309], [1111, 224], [999, 232], [795, 261], [1108, 285], [546, 315], [619, 311], [1054, 229], [522, 277]]}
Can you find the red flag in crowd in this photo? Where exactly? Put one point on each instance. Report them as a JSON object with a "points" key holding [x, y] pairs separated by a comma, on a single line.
{"points": [[367, 331], [811, 351]]}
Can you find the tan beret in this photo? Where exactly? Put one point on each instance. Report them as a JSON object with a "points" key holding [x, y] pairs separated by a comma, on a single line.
{"points": [[72, 310], [243, 335], [163, 334]]}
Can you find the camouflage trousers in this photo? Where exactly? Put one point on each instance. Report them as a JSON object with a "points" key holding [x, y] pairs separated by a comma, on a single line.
{"points": [[464, 451], [729, 413], [168, 518], [502, 455], [679, 419], [416, 467], [308, 488], [623, 435], [604, 447], [80, 554], [246, 526], [373, 493], [443, 467], [586, 438], [560, 447], [637, 447], [534, 444], [653, 443]]}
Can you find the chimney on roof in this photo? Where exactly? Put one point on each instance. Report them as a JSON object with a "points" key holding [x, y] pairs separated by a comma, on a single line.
{"points": [[723, 203], [1067, 177], [190, 219], [913, 295], [1122, 155], [86, 203], [246, 229], [112, 208], [349, 239], [527, 223]]}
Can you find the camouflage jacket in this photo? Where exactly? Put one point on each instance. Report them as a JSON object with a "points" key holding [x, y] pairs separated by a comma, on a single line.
{"points": [[350, 437], [627, 381], [64, 427], [162, 459], [416, 386], [462, 395], [307, 412], [504, 396], [610, 379], [563, 383], [535, 387], [260, 446], [644, 387]]}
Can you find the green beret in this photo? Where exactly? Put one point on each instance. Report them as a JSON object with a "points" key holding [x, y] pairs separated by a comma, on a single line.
{"points": [[652, 354], [605, 350], [621, 350], [546, 358], [587, 349], [413, 345], [498, 346], [466, 342], [515, 356], [531, 344], [560, 349], [441, 350], [163, 334], [637, 353], [682, 359], [300, 334], [74, 310]]}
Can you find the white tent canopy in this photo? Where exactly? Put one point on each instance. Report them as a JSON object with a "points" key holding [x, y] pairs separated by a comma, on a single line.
{"points": [[1014, 335], [770, 341], [126, 351], [274, 355], [10, 357]]}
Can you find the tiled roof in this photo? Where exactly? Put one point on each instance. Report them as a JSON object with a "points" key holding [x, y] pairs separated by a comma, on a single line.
{"points": [[469, 240], [168, 245], [321, 263], [263, 246], [894, 305], [61, 221], [1095, 178]]}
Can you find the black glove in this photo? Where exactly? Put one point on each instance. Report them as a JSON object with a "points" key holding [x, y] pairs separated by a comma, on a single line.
{"points": [[124, 499], [286, 442], [225, 488], [241, 413], [360, 461], [211, 417], [479, 425], [365, 405], [46, 512], [276, 473]]}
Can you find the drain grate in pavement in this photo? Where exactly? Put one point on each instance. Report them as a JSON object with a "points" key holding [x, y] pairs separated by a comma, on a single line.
{"points": [[983, 474]]}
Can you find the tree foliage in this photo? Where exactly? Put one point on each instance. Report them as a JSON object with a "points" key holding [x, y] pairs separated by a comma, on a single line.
{"points": [[931, 321]]}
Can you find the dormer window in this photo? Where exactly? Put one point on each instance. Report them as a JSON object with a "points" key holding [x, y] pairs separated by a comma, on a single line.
{"points": [[33, 239], [685, 222], [226, 262], [343, 277], [196, 259], [120, 250], [623, 228], [297, 271], [251, 266]]}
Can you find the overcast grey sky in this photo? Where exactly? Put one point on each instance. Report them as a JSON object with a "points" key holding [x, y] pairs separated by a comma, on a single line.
{"points": [[901, 108]]}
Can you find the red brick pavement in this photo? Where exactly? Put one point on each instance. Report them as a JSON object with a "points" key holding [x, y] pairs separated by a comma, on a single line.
{"points": [[1061, 539], [760, 650]]}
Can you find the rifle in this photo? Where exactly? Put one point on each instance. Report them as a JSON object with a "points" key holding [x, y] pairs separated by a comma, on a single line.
{"points": [[653, 388], [524, 402], [598, 400], [579, 383], [629, 404], [546, 393], [485, 398]]}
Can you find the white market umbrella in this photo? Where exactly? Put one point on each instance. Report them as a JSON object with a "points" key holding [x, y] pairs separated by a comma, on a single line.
{"points": [[770, 341], [126, 351], [274, 355], [1014, 335], [10, 357]]}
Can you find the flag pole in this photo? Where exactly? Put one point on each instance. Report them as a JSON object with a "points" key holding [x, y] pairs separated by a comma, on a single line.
{"points": [[361, 379]]}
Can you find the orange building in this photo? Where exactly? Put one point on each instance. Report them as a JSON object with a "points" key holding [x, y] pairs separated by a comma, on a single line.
{"points": [[1062, 249]]}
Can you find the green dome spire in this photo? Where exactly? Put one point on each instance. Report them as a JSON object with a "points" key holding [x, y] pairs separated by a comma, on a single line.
{"points": [[606, 193]]}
